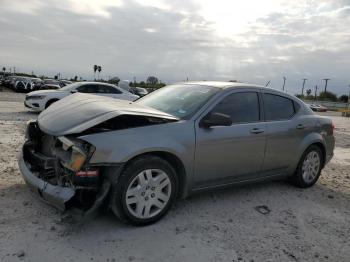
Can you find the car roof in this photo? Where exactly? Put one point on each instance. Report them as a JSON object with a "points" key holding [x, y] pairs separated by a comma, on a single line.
{"points": [[220, 84], [233, 85], [98, 83]]}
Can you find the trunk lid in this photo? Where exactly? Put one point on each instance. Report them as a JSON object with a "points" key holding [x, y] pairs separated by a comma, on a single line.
{"points": [[78, 112]]}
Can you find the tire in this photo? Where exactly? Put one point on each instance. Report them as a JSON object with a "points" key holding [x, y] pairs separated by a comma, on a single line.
{"points": [[50, 102], [145, 191], [309, 167]]}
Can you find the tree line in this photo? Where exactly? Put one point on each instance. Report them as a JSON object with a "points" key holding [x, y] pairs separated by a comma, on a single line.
{"points": [[323, 96]]}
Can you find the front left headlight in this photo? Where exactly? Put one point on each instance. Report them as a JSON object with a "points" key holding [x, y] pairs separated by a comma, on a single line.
{"points": [[79, 153], [77, 159]]}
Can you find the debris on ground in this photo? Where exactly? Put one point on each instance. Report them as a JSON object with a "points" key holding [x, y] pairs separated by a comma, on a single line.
{"points": [[263, 209]]}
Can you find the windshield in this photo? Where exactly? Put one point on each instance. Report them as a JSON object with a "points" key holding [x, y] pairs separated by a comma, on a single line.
{"points": [[181, 101]]}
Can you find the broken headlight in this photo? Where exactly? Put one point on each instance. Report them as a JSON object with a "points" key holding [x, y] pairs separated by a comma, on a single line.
{"points": [[80, 152]]}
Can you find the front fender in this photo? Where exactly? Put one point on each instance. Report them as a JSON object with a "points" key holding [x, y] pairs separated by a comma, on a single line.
{"points": [[120, 146]]}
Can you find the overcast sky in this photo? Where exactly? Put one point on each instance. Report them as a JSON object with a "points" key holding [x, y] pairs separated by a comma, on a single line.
{"points": [[252, 40]]}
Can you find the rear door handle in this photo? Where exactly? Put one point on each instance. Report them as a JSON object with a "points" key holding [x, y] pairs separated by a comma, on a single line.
{"points": [[300, 126], [257, 131]]}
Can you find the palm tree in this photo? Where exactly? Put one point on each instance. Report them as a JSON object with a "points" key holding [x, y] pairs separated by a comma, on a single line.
{"points": [[95, 69], [4, 69], [99, 69], [308, 92]]}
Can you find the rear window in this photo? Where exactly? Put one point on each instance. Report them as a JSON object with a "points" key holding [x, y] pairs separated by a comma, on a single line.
{"points": [[278, 107]]}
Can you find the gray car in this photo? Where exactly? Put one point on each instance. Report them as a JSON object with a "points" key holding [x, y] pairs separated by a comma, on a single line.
{"points": [[139, 157]]}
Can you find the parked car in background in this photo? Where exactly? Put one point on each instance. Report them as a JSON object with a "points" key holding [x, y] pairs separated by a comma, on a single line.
{"points": [[138, 91], [49, 84], [124, 84], [22, 84], [37, 83], [139, 157], [9, 82], [64, 83], [42, 99], [318, 108]]}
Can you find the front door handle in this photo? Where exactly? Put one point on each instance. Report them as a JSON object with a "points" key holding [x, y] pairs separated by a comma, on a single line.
{"points": [[300, 126], [257, 131]]}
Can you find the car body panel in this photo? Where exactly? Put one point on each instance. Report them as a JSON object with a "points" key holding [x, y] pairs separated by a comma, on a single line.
{"points": [[211, 157], [222, 146]]}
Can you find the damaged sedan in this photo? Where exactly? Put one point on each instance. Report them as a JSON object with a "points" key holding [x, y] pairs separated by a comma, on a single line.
{"points": [[139, 157]]}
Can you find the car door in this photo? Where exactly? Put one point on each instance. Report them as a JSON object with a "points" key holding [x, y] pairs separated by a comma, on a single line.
{"points": [[283, 131], [229, 153]]}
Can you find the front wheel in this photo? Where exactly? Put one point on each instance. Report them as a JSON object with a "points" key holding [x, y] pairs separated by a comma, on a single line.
{"points": [[309, 167], [50, 102], [145, 191]]}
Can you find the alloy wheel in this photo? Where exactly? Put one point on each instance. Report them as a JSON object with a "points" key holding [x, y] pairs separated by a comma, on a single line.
{"points": [[311, 166], [148, 193]]}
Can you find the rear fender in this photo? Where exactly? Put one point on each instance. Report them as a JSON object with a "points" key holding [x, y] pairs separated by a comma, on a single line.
{"points": [[310, 139]]}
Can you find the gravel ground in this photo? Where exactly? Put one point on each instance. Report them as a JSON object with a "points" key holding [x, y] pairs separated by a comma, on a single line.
{"points": [[300, 225]]}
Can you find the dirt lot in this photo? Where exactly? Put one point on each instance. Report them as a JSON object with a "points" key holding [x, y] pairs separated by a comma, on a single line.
{"points": [[303, 225]]}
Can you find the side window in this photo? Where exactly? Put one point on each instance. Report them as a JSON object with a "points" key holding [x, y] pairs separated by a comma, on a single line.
{"points": [[241, 107], [111, 90], [278, 107], [101, 89], [87, 89]]}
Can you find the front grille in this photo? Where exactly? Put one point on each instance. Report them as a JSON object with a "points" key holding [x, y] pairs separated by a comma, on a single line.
{"points": [[38, 152], [47, 145]]}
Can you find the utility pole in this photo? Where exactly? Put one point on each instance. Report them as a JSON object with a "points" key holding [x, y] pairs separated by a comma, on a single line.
{"points": [[302, 90], [349, 98], [315, 92], [284, 82], [325, 87]]}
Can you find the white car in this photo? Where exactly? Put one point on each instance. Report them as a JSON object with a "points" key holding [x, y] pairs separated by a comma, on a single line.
{"points": [[42, 99]]}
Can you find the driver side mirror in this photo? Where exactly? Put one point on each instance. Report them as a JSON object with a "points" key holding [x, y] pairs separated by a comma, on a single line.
{"points": [[216, 119]]}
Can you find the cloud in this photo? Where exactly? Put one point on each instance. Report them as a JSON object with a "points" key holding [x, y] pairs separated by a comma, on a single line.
{"points": [[179, 39]]}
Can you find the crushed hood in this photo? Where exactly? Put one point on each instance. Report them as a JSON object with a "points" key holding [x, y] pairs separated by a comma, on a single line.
{"points": [[78, 112]]}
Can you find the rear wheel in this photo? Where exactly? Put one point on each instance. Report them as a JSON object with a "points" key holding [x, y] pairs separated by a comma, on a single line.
{"points": [[309, 167], [145, 191]]}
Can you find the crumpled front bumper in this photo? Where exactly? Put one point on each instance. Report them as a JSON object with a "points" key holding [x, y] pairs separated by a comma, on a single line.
{"points": [[55, 195]]}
